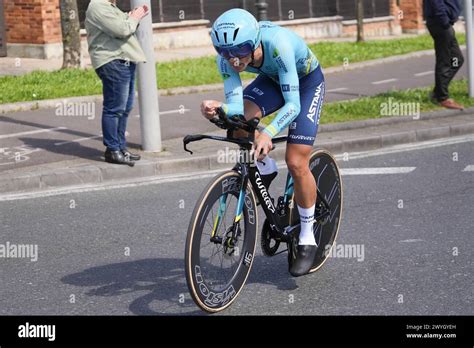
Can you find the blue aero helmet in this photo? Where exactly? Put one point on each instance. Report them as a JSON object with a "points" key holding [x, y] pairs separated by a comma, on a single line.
{"points": [[235, 34]]}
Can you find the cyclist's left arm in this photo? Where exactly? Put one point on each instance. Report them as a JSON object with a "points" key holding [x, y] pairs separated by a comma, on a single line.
{"points": [[234, 100], [289, 84]]}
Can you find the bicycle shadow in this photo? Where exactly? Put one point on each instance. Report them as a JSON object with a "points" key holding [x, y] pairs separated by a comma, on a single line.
{"points": [[165, 282], [272, 271], [162, 279]]}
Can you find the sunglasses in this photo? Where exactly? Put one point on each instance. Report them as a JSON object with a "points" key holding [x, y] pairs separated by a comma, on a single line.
{"points": [[240, 51]]}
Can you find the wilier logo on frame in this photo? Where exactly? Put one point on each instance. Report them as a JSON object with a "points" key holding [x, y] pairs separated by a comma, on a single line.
{"points": [[81, 109]]}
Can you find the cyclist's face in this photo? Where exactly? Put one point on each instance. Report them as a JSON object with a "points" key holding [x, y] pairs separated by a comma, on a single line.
{"points": [[239, 64]]}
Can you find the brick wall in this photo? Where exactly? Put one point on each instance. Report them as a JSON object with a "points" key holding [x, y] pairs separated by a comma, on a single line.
{"points": [[32, 21], [412, 20]]}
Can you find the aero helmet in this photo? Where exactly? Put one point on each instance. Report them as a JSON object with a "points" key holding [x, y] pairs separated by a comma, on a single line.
{"points": [[235, 33]]}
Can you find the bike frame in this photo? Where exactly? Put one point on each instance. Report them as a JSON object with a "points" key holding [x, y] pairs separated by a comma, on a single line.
{"points": [[248, 170]]}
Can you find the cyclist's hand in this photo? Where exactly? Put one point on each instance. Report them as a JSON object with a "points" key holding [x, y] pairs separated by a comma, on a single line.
{"points": [[209, 108], [262, 145]]}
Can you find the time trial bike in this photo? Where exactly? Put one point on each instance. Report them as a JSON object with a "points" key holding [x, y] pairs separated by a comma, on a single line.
{"points": [[222, 232]]}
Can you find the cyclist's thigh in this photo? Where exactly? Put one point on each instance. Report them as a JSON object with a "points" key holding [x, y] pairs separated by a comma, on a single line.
{"points": [[304, 128], [262, 97]]}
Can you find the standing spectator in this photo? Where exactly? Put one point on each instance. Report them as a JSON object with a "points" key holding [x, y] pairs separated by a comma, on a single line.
{"points": [[440, 17], [114, 52]]}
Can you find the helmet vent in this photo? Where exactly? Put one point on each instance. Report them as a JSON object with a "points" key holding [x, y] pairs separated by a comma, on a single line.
{"points": [[217, 35], [225, 37], [235, 33]]}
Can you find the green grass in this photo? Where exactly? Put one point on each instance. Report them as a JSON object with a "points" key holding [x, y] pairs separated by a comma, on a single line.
{"points": [[189, 72], [371, 107], [338, 53]]}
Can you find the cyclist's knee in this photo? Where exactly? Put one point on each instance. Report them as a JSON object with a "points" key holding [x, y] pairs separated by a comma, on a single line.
{"points": [[297, 160], [297, 166]]}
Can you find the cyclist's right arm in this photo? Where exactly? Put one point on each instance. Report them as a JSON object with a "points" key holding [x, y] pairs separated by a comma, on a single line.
{"points": [[234, 100]]}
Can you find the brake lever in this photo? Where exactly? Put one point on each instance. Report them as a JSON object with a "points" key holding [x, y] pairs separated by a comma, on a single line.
{"points": [[218, 123]]}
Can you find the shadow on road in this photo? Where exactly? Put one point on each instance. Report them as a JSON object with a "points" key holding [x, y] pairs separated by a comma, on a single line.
{"points": [[73, 149], [163, 280]]}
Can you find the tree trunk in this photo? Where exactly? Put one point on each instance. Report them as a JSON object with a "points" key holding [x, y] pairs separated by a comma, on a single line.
{"points": [[360, 20], [71, 34]]}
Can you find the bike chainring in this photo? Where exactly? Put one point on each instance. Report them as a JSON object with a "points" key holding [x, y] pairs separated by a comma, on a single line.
{"points": [[268, 244]]}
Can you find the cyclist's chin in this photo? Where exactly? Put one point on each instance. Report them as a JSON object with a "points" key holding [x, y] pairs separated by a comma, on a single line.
{"points": [[239, 68]]}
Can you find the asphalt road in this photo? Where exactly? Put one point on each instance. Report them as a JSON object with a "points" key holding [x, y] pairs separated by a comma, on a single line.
{"points": [[32, 137], [416, 229]]}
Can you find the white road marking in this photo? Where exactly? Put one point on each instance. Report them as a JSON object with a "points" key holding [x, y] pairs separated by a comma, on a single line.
{"points": [[469, 168], [117, 185], [13, 135], [406, 147], [384, 81], [376, 171], [411, 240], [208, 174], [336, 89], [177, 111], [77, 140], [425, 73]]}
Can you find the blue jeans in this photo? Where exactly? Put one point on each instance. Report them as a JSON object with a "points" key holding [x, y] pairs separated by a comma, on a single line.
{"points": [[118, 86]]}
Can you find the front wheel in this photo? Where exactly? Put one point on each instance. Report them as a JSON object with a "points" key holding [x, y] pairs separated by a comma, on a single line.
{"points": [[220, 246], [324, 168]]}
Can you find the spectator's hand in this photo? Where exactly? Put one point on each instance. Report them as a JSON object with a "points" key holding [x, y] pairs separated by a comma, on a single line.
{"points": [[139, 12], [209, 108]]}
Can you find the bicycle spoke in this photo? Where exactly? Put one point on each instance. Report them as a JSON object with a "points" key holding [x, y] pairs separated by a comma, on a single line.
{"points": [[205, 245]]}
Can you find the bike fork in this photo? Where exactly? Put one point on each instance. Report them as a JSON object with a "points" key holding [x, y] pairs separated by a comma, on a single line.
{"points": [[238, 216]]}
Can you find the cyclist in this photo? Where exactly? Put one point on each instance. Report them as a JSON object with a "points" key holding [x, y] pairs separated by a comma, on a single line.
{"points": [[289, 80]]}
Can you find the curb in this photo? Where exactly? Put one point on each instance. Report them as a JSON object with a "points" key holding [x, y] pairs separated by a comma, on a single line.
{"points": [[373, 122], [52, 103], [106, 173]]}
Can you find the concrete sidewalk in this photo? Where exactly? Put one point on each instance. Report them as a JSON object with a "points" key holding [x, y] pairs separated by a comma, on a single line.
{"points": [[209, 155]]}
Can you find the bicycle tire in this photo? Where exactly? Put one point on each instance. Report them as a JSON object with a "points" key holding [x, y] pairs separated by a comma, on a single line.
{"points": [[324, 168], [202, 293]]}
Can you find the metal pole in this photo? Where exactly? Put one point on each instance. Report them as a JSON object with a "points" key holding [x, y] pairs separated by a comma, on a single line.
{"points": [[261, 10], [468, 16], [147, 87]]}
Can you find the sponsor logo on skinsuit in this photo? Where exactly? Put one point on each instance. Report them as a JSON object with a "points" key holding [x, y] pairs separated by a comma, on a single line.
{"points": [[301, 137], [281, 64], [257, 91], [314, 104], [287, 88], [285, 117]]}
